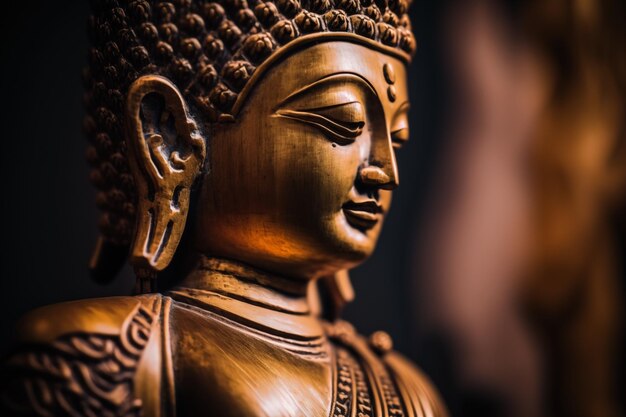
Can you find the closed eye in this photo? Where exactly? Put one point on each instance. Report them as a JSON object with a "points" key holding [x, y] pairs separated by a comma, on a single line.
{"points": [[399, 137], [342, 123]]}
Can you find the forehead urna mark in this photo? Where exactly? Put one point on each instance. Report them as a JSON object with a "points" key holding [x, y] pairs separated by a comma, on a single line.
{"points": [[390, 77]]}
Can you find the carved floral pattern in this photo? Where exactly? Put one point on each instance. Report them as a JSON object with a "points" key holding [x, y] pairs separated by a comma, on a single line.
{"points": [[358, 374], [78, 374]]}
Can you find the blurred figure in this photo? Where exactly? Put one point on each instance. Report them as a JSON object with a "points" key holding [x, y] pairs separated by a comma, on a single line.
{"points": [[574, 290], [519, 268], [475, 246]]}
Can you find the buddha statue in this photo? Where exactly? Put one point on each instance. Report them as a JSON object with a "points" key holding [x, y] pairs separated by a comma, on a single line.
{"points": [[244, 155]]}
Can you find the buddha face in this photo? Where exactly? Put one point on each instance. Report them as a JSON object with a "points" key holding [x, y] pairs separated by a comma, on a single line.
{"points": [[299, 185]]}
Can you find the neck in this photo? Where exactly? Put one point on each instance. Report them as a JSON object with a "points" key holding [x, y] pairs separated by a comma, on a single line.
{"points": [[263, 302]]}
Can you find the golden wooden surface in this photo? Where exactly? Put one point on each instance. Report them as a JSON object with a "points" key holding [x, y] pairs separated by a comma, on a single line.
{"points": [[253, 148]]}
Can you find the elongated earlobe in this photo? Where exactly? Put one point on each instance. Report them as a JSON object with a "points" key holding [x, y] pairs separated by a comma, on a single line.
{"points": [[166, 154]]}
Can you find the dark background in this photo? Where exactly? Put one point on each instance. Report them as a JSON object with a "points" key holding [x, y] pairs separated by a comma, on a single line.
{"points": [[50, 216]]}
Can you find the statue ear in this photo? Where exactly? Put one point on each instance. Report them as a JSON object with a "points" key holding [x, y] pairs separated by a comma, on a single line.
{"points": [[166, 154]]}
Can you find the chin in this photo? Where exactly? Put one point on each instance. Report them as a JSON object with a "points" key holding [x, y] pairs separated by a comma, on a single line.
{"points": [[352, 244]]}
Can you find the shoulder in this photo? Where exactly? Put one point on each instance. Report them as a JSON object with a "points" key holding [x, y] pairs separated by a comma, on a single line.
{"points": [[109, 316], [81, 358], [415, 384]]}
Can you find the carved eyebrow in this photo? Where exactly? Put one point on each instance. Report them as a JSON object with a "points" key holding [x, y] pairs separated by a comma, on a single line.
{"points": [[344, 76]]}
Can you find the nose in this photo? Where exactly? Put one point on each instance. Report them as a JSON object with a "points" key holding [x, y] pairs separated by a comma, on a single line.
{"points": [[381, 171]]}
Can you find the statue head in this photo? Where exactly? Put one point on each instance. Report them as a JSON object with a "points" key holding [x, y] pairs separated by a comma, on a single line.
{"points": [[273, 123]]}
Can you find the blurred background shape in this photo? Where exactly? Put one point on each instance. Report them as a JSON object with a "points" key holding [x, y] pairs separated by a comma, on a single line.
{"points": [[519, 275]]}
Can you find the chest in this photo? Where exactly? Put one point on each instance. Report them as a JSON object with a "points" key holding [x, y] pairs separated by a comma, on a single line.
{"points": [[229, 371]]}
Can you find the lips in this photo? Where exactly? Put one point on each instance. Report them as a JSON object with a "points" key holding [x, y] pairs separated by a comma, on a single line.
{"points": [[363, 215]]}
